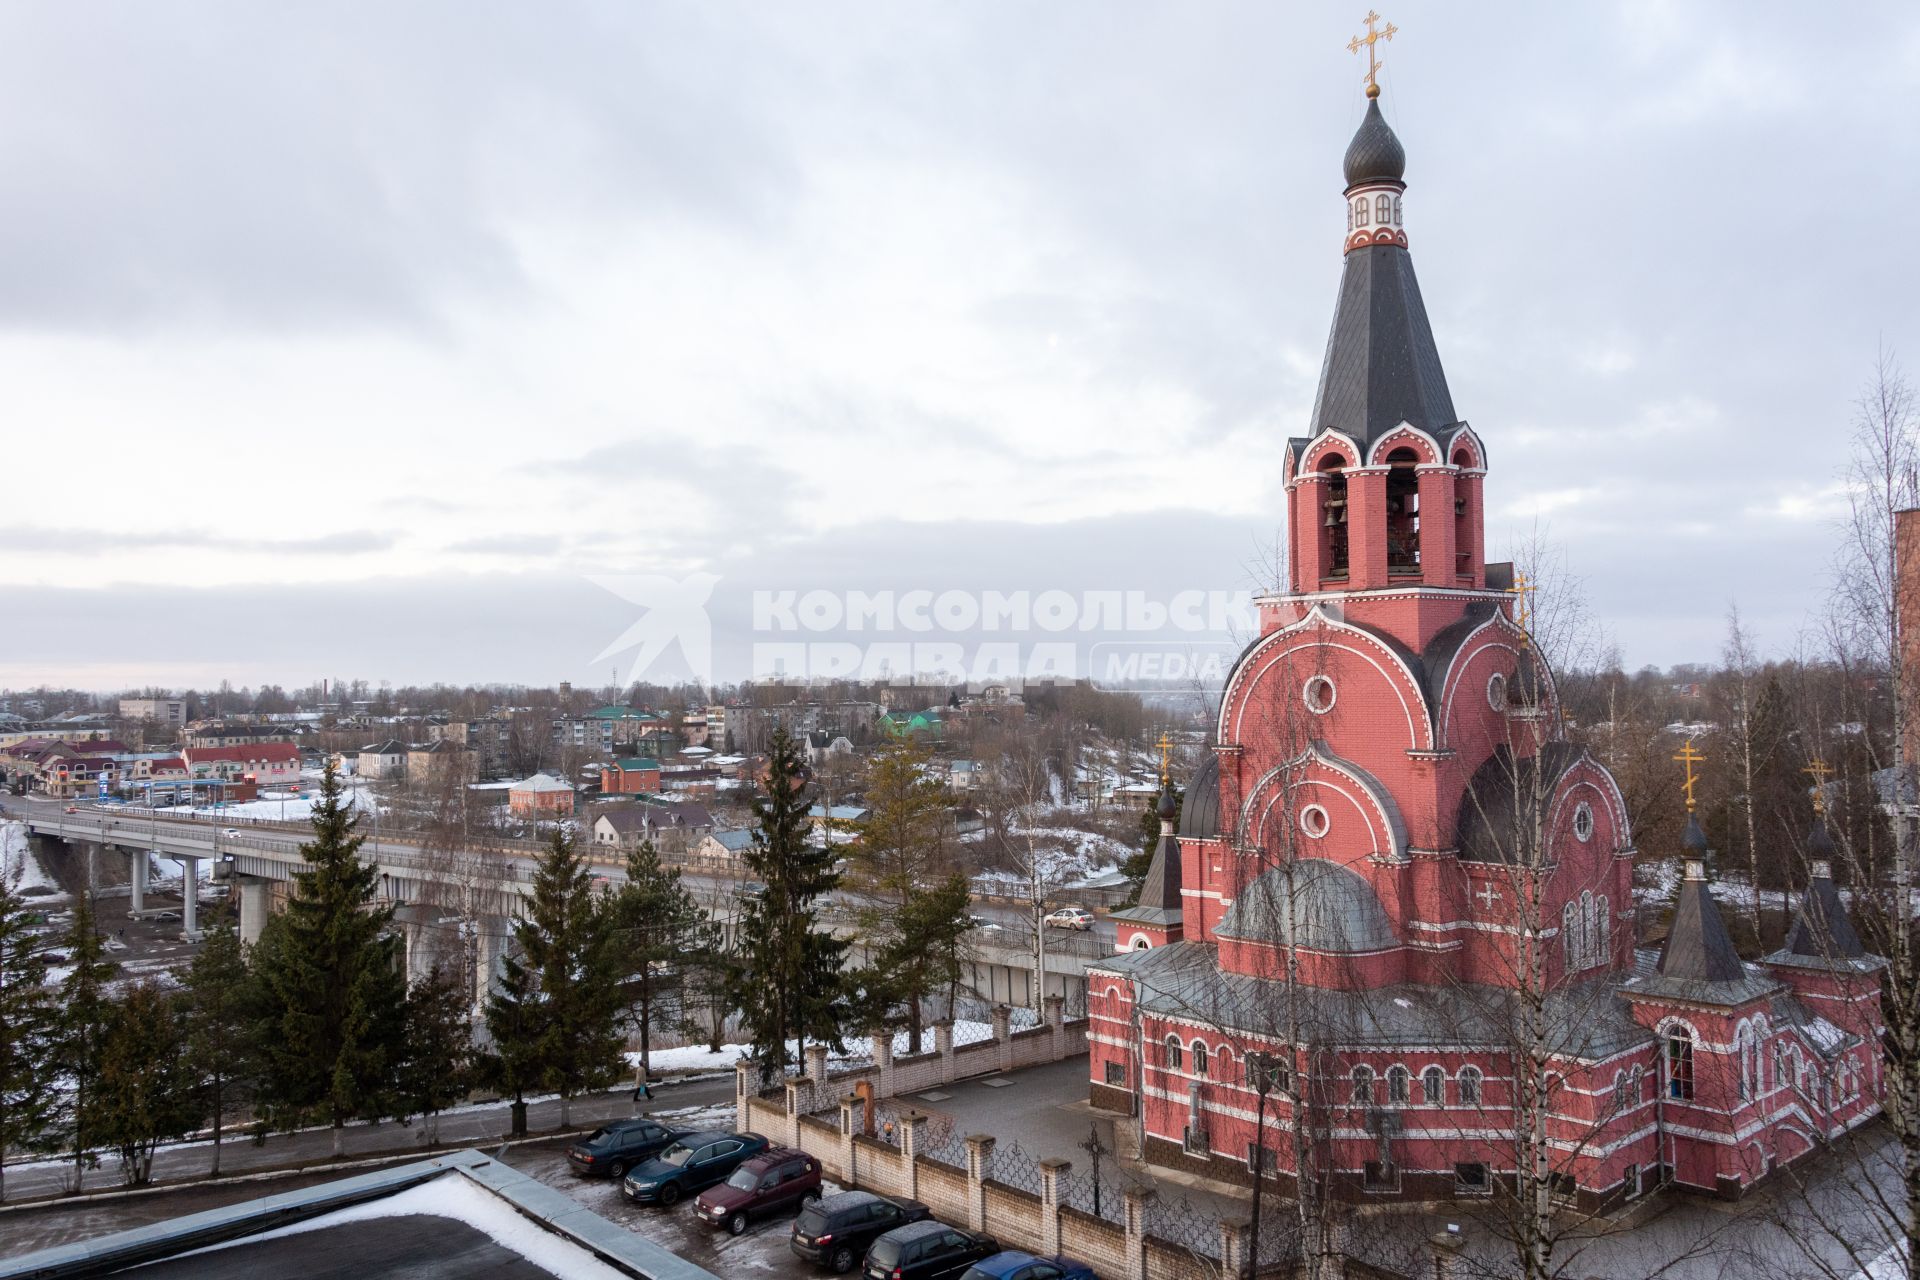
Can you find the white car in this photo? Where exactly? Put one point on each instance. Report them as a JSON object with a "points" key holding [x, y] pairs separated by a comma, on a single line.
{"points": [[230, 833], [1070, 918]]}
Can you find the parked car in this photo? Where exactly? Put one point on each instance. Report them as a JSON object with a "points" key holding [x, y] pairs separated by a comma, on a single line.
{"points": [[231, 833], [1015, 1265], [926, 1251], [1070, 918], [612, 1149], [775, 1181], [693, 1163], [835, 1232]]}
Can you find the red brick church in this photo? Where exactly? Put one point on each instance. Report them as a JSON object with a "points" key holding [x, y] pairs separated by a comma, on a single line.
{"points": [[1394, 879]]}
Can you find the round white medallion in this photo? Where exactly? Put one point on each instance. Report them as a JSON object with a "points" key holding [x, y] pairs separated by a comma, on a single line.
{"points": [[1314, 821], [1319, 695], [1497, 691]]}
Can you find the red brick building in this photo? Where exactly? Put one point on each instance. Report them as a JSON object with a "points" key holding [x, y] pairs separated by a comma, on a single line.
{"points": [[1396, 926]]}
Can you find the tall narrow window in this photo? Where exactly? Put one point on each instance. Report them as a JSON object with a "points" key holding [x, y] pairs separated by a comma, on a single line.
{"points": [[1462, 516], [1333, 518], [1433, 1086], [1679, 1066], [1570, 934], [1589, 930], [1403, 512], [1469, 1086], [1199, 1057], [1173, 1053], [1399, 1085], [1396, 211], [1383, 210], [1603, 939], [1363, 1086], [1360, 212]]}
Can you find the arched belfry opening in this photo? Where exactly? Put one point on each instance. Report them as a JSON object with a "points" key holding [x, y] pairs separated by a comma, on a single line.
{"points": [[1403, 512], [1462, 518], [1333, 522]]}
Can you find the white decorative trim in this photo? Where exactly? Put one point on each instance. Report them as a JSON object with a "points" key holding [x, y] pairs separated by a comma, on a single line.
{"points": [[1315, 815]]}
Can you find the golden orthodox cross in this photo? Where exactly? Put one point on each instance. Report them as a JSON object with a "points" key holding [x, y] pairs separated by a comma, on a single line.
{"points": [[1819, 771], [1367, 41], [1522, 593], [1166, 757], [1688, 757]]}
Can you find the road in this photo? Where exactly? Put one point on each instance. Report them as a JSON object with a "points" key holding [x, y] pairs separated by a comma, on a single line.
{"points": [[476, 1126]]}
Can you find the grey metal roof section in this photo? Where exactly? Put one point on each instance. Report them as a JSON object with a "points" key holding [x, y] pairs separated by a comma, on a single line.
{"points": [[1382, 367], [1437, 659], [1375, 154], [1314, 904], [554, 1210], [1200, 811], [1161, 889], [1183, 979], [1492, 826], [1693, 839], [1698, 948], [1821, 930]]}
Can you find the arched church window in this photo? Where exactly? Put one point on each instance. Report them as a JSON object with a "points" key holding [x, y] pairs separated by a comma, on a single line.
{"points": [[1588, 929], [1396, 211], [1679, 1065], [1199, 1057], [1433, 1086], [1743, 1041], [1383, 210], [1570, 934], [1360, 212], [1403, 512], [1173, 1053], [1399, 1085], [1224, 1064], [1349, 217], [1333, 517], [1583, 822], [1636, 1085], [1603, 938], [1470, 1086], [1363, 1086]]}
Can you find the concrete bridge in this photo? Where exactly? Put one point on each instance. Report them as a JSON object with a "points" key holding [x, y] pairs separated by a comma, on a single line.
{"points": [[456, 905]]}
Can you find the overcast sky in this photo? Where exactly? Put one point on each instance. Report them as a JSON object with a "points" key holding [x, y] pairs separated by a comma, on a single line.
{"points": [[359, 339]]}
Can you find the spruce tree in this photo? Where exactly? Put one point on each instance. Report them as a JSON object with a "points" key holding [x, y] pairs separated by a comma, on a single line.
{"points": [[554, 1019], [332, 998], [438, 1070], [218, 1007], [84, 1010], [656, 927], [28, 1027], [145, 1094], [789, 986], [901, 864]]}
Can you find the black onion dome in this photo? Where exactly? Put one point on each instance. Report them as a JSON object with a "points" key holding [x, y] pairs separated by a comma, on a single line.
{"points": [[1695, 840], [1375, 154], [1167, 804], [1820, 841], [1200, 814]]}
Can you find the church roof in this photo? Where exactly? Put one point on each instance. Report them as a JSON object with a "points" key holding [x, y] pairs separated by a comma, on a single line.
{"points": [[1375, 154], [1161, 888], [1698, 962], [1331, 907], [1823, 937], [1200, 810], [1184, 980], [1382, 367], [1490, 828]]}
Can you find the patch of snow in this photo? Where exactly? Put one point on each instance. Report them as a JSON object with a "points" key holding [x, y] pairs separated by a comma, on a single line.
{"points": [[20, 870], [697, 1057], [453, 1197], [1825, 1036]]}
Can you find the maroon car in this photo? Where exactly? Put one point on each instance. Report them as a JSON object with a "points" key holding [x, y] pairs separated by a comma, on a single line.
{"points": [[775, 1181]]}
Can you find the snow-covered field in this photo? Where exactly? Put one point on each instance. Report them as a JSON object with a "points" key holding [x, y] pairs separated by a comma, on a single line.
{"points": [[20, 869], [289, 806]]}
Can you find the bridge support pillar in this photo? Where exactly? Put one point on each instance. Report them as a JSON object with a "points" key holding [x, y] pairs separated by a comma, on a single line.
{"points": [[254, 904], [487, 948], [189, 896], [138, 901]]}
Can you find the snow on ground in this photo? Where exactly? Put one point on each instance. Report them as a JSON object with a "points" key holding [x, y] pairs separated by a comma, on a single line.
{"points": [[20, 869], [697, 1057], [289, 806], [453, 1197]]}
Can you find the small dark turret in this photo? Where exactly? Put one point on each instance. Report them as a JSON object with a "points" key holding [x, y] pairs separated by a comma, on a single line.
{"points": [[1698, 948], [1822, 931], [1694, 840], [1375, 154]]}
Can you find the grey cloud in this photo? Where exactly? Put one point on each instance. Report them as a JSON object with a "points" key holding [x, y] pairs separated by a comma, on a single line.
{"points": [[105, 541], [509, 544]]}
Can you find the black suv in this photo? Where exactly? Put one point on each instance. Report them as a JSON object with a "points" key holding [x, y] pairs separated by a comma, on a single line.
{"points": [[837, 1230], [926, 1251], [693, 1163], [609, 1151]]}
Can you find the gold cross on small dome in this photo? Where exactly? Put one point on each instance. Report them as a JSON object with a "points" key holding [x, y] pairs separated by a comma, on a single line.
{"points": [[1688, 757], [1166, 758], [1819, 771], [1368, 41]]}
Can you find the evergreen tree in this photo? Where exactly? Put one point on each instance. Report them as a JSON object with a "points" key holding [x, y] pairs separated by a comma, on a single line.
{"points": [[333, 1001], [28, 1027], [903, 851], [708, 974], [145, 1094], [438, 1069], [554, 1017], [657, 925], [218, 1009], [789, 984], [84, 1010]]}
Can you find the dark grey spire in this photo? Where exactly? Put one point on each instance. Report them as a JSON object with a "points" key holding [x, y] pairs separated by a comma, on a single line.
{"points": [[1697, 947], [1161, 888], [1822, 931], [1694, 840]]}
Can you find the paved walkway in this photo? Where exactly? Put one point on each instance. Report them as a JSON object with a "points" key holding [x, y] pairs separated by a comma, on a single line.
{"points": [[476, 1126]]}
